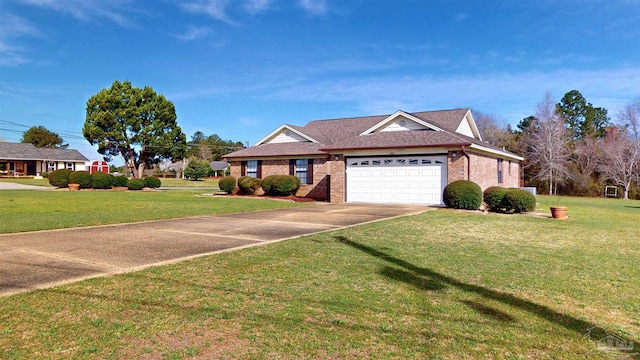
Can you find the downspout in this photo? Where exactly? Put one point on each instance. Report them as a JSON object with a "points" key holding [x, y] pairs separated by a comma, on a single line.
{"points": [[464, 152]]}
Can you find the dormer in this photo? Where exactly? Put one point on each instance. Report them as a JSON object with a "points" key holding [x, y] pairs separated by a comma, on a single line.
{"points": [[285, 134], [401, 121]]}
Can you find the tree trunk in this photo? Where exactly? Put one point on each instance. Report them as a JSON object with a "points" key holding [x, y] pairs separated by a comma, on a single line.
{"points": [[626, 191], [140, 171]]}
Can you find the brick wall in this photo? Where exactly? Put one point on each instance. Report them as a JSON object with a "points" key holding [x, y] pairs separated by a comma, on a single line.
{"points": [[484, 171], [456, 166], [337, 170], [317, 190]]}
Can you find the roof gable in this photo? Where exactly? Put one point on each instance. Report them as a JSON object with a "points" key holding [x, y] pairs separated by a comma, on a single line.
{"points": [[401, 121], [285, 134], [26, 151], [468, 127]]}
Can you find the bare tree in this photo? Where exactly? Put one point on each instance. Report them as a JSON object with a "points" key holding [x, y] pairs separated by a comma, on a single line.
{"points": [[494, 131], [176, 167], [620, 159], [548, 145], [629, 118]]}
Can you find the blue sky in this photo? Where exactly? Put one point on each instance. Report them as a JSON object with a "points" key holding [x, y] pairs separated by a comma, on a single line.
{"points": [[241, 68]]}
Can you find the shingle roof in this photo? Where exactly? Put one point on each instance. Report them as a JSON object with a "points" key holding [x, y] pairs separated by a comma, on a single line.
{"points": [[20, 151], [344, 134]]}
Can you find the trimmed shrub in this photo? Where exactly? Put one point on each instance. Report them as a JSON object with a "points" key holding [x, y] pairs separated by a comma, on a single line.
{"points": [[463, 194], [249, 185], [80, 177], [59, 178], [241, 179], [519, 201], [120, 181], [285, 185], [45, 175], [267, 184], [227, 184], [135, 184], [152, 182], [493, 197], [100, 180]]}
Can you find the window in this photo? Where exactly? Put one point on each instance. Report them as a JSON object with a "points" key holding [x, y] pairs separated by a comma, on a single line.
{"points": [[252, 168], [68, 165], [51, 166], [303, 169], [499, 171]]}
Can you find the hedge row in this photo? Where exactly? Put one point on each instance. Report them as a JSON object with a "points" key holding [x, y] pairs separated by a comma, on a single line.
{"points": [[276, 185], [63, 177], [463, 194], [509, 200]]}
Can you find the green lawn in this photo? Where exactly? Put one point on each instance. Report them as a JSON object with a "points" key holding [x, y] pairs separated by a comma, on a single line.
{"points": [[26, 210], [170, 182], [440, 285]]}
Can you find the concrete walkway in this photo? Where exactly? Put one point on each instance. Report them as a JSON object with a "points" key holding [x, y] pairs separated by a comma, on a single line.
{"points": [[43, 259]]}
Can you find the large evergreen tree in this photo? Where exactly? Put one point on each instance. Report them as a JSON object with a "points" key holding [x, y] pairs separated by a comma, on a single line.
{"points": [[581, 117], [135, 123]]}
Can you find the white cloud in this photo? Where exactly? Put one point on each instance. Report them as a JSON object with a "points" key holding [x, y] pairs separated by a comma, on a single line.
{"points": [[85, 10], [315, 7], [256, 6], [14, 27], [217, 9], [194, 33]]}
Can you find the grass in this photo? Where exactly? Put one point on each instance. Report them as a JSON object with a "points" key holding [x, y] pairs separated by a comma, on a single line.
{"points": [[440, 285], [25, 210], [171, 182]]}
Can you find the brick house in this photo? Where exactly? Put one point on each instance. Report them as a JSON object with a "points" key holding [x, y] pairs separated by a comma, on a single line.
{"points": [[398, 158]]}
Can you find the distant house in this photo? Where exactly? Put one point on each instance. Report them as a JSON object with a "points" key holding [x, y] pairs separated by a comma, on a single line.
{"points": [[399, 158], [18, 159], [219, 166]]}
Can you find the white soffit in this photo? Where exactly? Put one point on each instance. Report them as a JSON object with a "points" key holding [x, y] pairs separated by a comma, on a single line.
{"points": [[401, 121], [285, 134]]}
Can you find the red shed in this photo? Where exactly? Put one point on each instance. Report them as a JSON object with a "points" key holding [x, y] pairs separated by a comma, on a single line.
{"points": [[98, 166]]}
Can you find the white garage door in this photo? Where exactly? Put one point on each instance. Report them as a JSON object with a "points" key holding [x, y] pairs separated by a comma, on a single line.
{"points": [[397, 180]]}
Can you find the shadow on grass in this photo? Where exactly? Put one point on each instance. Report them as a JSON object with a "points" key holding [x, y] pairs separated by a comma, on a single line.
{"points": [[424, 278]]}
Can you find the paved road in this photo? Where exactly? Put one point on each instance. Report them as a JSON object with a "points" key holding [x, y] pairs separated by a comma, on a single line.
{"points": [[47, 258], [15, 186]]}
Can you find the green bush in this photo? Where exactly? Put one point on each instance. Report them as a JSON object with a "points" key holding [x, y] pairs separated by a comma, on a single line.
{"points": [[196, 169], [120, 181], [519, 201], [227, 184], [493, 197], [59, 178], [135, 184], [267, 184], [83, 178], [284, 185], [45, 175], [100, 180], [463, 194], [241, 179], [152, 182], [249, 185]]}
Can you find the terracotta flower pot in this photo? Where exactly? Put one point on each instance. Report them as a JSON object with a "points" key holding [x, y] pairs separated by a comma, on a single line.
{"points": [[74, 187], [559, 212]]}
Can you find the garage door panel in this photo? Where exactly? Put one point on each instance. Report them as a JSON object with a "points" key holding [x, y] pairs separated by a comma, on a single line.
{"points": [[410, 179]]}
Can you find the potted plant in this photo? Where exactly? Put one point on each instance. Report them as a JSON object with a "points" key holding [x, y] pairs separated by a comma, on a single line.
{"points": [[557, 211], [74, 187]]}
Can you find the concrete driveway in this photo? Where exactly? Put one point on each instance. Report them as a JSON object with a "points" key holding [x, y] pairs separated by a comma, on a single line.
{"points": [[43, 259], [15, 186]]}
